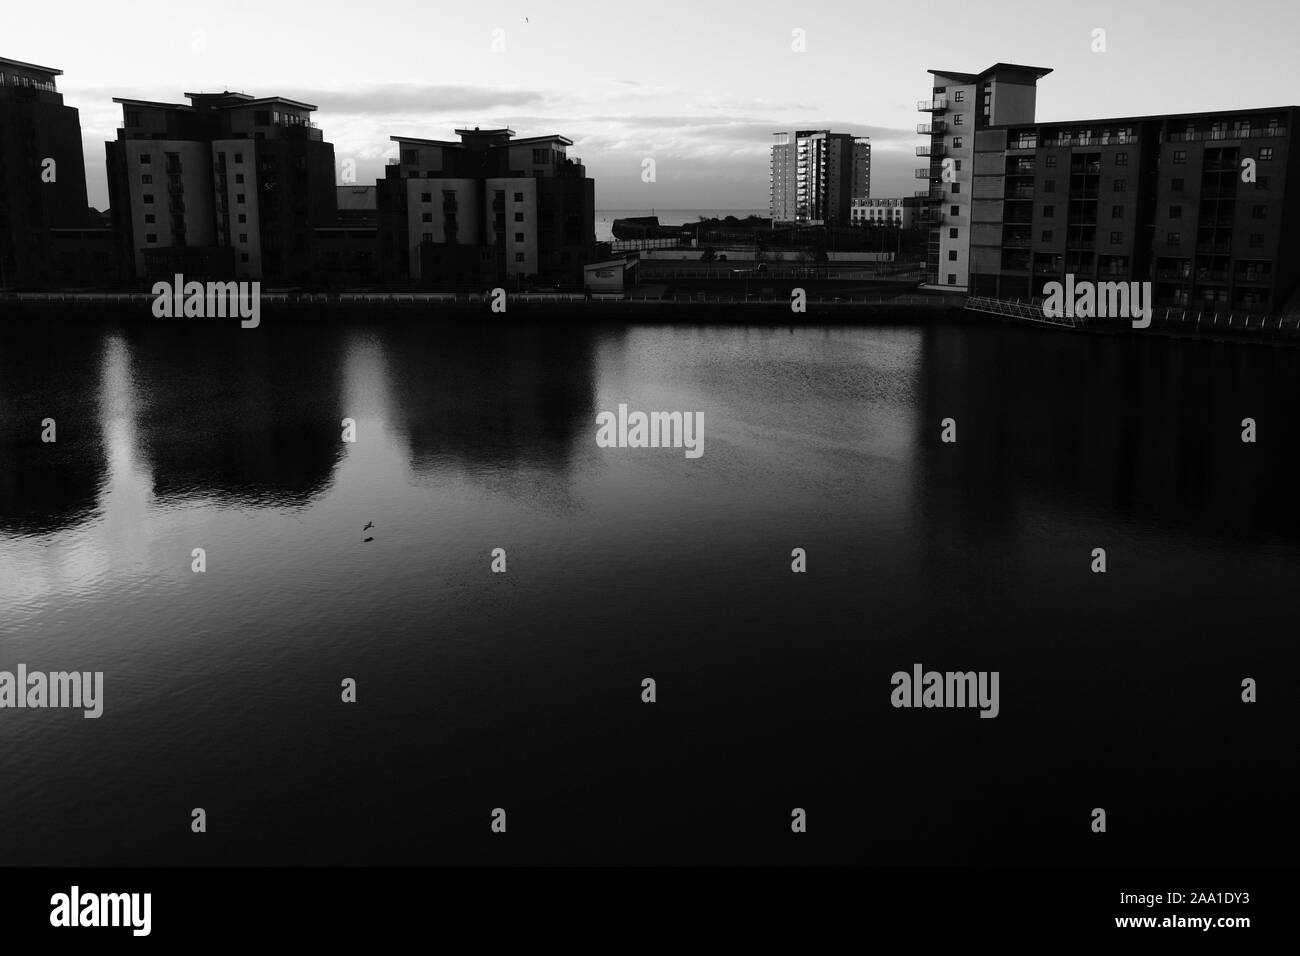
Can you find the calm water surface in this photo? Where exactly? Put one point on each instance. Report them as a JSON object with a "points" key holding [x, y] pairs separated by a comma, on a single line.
{"points": [[522, 690]]}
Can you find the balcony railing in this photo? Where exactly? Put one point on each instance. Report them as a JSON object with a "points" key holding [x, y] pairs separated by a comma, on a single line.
{"points": [[936, 104], [1194, 136], [932, 150], [931, 129]]}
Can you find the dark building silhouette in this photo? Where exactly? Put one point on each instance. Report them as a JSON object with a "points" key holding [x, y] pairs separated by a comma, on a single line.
{"points": [[228, 185], [487, 208], [346, 252], [42, 173]]}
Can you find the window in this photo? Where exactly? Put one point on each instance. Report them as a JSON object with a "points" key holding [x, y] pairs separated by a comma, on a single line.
{"points": [[243, 237], [1175, 212], [1261, 183], [1116, 238], [519, 197], [1176, 185], [1180, 156], [426, 217], [1116, 212], [426, 237], [1121, 159], [151, 237], [959, 96], [426, 197], [239, 157], [243, 217], [1049, 186], [146, 159], [954, 210], [1266, 152], [956, 120], [148, 199], [243, 257], [1051, 162], [519, 237], [1049, 212], [541, 157], [1258, 212], [1256, 240], [146, 180], [261, 117], [956, 164], [956, 142], [952, 278], [952, 233], [519, 217], [1047, 235], [410, 156], [952, 255], [956, 188], [149, 218], [1120, 185], [1174, 238], [239, 198], [519, 257]]}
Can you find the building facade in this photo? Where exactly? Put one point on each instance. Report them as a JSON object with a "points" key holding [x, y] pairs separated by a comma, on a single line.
{"points": [[227, 186], [816, 175], [960, 104], [897, 213], [1202, 205], [486, 208], [42, 175]]}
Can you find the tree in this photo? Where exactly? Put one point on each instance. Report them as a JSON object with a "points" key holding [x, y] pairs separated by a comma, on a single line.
{"points": [[708, 255]]}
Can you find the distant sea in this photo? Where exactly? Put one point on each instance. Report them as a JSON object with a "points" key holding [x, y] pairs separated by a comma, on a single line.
{"points": [[668, 217]]}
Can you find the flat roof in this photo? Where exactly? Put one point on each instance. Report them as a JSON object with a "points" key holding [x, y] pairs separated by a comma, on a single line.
{"points": [[553, 138], [423, 142], [153, 104], [31, 66], [499, 131], [266, 100], [1037, 71]]}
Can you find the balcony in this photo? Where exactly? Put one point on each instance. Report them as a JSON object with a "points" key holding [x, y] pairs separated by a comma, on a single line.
{"points": [[936, 128], [934, 150], [928, 173], [1214, 248], [937, 104], [1194, 136]]}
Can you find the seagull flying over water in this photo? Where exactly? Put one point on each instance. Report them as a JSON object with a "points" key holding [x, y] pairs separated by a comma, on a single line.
{"points": [[369, 525]]}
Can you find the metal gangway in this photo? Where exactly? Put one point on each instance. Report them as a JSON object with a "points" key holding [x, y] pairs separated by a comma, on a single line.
{"points": [[1032, 311]]}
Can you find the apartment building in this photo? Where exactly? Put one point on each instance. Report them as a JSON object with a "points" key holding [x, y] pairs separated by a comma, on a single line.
{"points": [[1203, 205], [485, 208], [42, 174], [816, 175], [960, 105], [229, 185]]}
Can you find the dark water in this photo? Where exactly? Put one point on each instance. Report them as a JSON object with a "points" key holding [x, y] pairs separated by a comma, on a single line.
{"points": [[522, 691]]}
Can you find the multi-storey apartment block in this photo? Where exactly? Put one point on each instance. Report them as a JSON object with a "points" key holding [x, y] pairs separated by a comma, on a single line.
{"points": [[42, 172], [961, 104], [1203, 205], [487, 207], [228, 185], [816, 175]]}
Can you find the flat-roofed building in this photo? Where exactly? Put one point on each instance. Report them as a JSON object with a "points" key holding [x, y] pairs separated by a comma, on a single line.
{"points": [[229, 183], [42, 174], [485, 208]]}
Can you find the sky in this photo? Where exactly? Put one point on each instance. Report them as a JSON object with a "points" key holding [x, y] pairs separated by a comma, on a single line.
{"points": [[699, 86]]}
